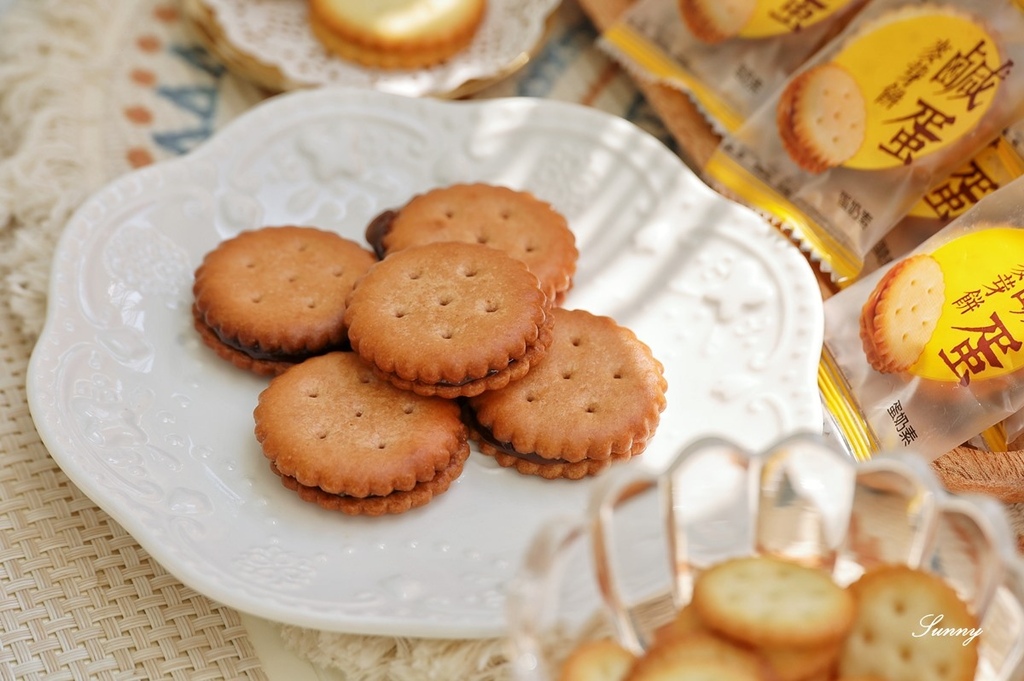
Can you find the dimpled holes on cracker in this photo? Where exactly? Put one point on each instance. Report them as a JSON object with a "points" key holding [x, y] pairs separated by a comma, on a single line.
{"points": [[910, 626]]}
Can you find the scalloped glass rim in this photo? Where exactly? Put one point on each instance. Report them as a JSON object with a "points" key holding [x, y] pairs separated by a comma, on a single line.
{"points": [[158, 432], [627, 599]]}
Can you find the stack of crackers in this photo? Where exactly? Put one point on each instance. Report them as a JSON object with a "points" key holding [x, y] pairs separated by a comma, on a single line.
{"points": [[763, 618], [385, 358]]}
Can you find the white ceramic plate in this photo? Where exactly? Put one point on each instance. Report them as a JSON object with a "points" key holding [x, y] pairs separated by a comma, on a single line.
{"points": [[158, 431]]}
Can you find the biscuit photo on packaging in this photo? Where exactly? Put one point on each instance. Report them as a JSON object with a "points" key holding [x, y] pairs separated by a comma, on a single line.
{"points": [[902, 313], [910, 625], [821, 117], [713, 21], [269, 298], [594, 399], [396, 34], [516, 222], [347, 441], [449, 318]]}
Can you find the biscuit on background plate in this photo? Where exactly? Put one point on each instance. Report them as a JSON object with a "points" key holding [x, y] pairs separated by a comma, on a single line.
{"points": [[514, 221], [396, 34], [449, 318], [348, 441], [269, 298], [595, 398], [821, 117]]}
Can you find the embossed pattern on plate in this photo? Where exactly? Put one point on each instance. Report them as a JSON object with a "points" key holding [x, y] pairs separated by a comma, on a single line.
{"points": [[158, 431]]}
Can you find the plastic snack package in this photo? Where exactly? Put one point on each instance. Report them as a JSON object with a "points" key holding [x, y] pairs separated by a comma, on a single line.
{"points": [[926, 352], [728, 55], [1013, 430], [996, 165], [904, 96]]}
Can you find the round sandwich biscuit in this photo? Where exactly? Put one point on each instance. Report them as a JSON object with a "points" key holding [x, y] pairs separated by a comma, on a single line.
{"points": [[347, 441], [712, 21], [596, 398], [901, 314], [514, 221], [269, 298], [910, 625], [396, 34], [821, 117], [449, 318]]}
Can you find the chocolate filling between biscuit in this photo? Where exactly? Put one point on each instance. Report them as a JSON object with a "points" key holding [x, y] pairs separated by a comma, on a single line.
{"points": [[257, 353], [379, 228], [485, 434], [467, 380], [272, 356]]}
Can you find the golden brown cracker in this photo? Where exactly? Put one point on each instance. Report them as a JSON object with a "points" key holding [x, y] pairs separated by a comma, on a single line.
{"points": [[699, 656], [330, 425], [597, 396], [601, 660], [821, 117], [899, 612], [786, 663], [449, 318], [516, 222], [268, 298], [768, 602], [902, 313]]}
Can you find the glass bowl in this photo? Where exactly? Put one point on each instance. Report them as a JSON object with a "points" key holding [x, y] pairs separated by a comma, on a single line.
{"points": [[627, 565]]}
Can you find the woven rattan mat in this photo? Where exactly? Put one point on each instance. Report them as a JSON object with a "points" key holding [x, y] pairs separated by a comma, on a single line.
{"points": [[78, 597]]}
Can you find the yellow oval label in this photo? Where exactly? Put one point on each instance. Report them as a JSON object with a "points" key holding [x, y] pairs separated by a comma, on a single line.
{"points": [[980, 332], [926, 80], [778, 17]]}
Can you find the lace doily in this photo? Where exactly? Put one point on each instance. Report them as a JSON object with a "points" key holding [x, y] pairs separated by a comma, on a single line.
{"points": [[277, 33]]}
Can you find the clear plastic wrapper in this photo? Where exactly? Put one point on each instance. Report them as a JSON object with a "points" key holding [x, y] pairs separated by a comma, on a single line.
{"points": [[994, 166], [900, 100], [728, 56], [926, 352]]}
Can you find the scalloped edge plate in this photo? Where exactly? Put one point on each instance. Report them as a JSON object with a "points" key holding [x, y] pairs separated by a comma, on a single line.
{"points": [[158, 431]]}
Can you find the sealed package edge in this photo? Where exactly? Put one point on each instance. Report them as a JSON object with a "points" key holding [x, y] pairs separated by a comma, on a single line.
{"points": [[926, 353], [996, 165], [728, 56], [906, 94]]}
